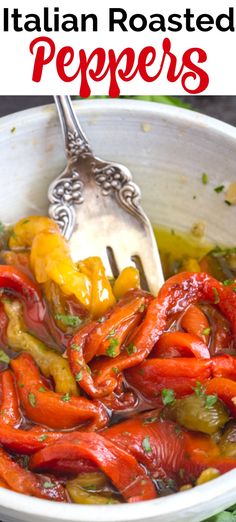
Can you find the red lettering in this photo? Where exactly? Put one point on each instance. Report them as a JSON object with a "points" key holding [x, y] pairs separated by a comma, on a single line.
{"points": [[40, 59], [195, 71], [99, 64], [98, 53]]}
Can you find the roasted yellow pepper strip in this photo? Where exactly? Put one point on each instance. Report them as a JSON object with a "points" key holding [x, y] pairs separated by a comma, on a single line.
{"points": [[50, 362], [25, 230], [50, 260], [127, 280], [102, 297]]}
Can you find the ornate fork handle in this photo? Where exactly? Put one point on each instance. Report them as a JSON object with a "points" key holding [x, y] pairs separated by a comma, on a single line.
{"points": [[67, 190], [76, 144]]}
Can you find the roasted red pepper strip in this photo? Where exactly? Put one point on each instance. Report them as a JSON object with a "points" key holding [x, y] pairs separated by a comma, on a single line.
{"points": [[3, 484], [221, 338], [194, 321], [96, 337], [225, 389], [10, 408], [121, 313], [162, 446], [186, 288], [172, 344], [155, 444], [176, 295], [26, 482], [27, 442], [14, 280], [122, 468], [179, 374], [224, 366], [52, 409], [202, 453]]}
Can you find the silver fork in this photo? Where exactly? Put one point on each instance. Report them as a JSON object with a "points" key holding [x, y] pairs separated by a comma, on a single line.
{"points": [[97, 207]]}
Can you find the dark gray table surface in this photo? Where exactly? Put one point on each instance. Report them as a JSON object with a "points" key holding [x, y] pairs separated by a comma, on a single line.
{"points": [[221, 107]]}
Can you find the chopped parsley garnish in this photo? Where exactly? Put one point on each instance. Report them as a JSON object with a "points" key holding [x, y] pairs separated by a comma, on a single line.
{"points": [[111, 333], [65, 397], [141, 308], [32, 399], [2, 413], [131, 348], [228, 282], [227, 202], [204, 178], [13, 129], [4, 357], [115, 370], [101, 320], [168, 396], [75, 347], [150, 420], [219, 189], [88, 369], [146, 445], [171, 483], [69, 320], [220, 252], [206, 331], [43, 437], [111, 350], [42, 389], [210, 400], [25, 461], [48, 484], [178, 430], [217, 299], [199, 389], [79, 376]]}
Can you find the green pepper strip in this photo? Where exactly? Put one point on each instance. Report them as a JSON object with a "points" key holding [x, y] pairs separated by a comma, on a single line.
{"points": [[50, 362]]}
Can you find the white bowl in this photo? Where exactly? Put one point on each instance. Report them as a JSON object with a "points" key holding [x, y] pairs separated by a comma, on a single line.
{"points": [[167, 149]]}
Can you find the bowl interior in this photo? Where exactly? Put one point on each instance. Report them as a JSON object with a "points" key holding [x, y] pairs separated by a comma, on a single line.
{"points": [[167, 150]]}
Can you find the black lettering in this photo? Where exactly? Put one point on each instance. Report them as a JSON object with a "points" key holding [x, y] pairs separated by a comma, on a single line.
{"points": [[158, 23], [120, 21], [188, 16], [204, 19], [46, 25], [5, 19], [142, 24], [172, 20], [229, 17], [16, 17], [34, 24], [70, 23], [92, 17], [56, 19]]}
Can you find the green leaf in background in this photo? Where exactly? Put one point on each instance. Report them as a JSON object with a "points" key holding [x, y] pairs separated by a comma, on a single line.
{"points": [[168, 100], [225, 516]]}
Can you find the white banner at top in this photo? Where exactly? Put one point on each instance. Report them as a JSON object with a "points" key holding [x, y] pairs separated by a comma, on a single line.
{"points": [[108, 47]]}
